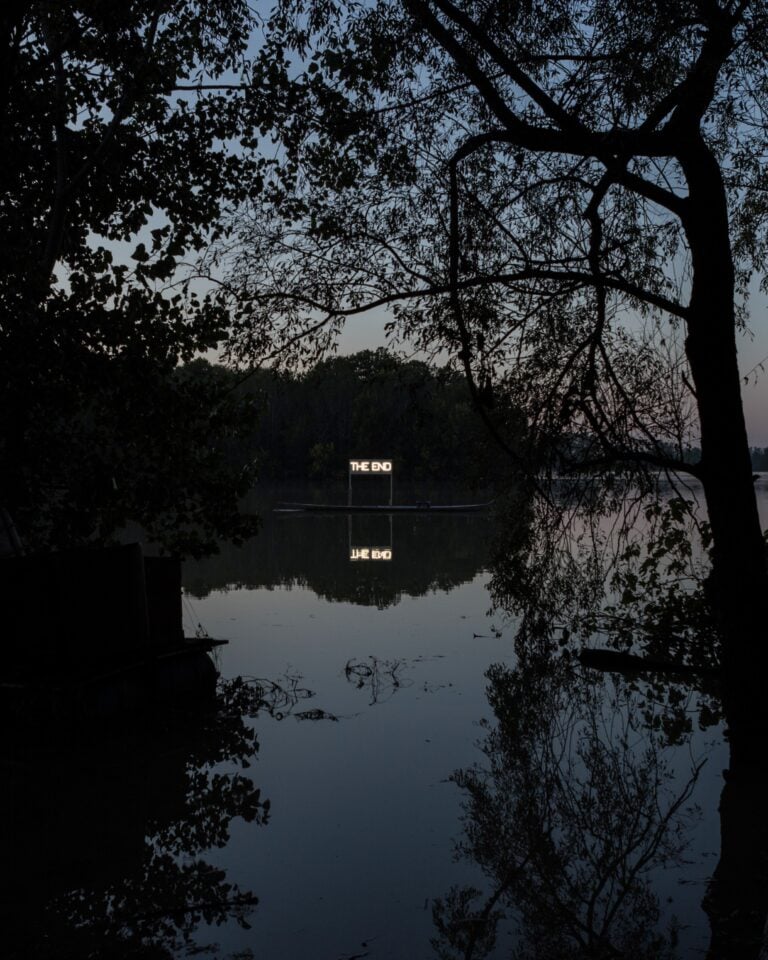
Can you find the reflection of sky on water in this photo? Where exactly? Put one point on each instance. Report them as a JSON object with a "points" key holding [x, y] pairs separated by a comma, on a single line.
{"points": [[372, 692], [364, 818]]}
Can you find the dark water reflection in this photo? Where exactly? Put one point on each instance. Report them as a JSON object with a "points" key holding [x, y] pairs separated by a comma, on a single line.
{"points": [[575, 806], [575, 811], [104, 843], [737, 896], [432, 792], [312, 551]]}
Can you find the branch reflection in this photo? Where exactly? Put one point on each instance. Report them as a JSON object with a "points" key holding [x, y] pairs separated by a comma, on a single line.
{"points": [[104, 846], [574, 807]]}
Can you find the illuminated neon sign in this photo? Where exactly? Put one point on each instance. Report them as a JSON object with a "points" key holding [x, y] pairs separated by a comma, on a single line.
{"points": [[370, 466]]}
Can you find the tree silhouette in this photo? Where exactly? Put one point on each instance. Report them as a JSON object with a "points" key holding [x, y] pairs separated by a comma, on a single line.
{"points": [[566, 198], [114, 170]]}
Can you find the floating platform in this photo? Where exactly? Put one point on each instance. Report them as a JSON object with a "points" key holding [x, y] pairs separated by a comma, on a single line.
{"points": [[418, 507]]}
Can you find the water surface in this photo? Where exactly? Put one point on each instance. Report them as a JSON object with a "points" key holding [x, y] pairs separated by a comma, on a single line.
{"points": [[385, 780], [360, 856]]}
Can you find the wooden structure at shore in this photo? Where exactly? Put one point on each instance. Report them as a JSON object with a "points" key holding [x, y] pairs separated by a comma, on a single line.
{"points": [[96, 634]]}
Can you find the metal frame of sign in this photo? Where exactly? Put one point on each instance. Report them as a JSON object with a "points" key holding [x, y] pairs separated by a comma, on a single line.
{"points": [[370, 468]]}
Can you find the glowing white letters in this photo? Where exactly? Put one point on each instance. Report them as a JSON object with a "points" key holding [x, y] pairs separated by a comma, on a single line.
{"points": [[370, 466], [370, 553]]}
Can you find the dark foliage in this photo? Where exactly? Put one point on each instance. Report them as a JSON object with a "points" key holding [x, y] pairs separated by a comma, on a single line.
{"points": [[370, 404], [104, 153]]}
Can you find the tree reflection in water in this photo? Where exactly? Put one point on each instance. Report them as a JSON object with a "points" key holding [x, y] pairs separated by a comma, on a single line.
{"points": [[658, 612], [104, 846], [737, 896], [574, 806], [381, 679], [431, 552]]}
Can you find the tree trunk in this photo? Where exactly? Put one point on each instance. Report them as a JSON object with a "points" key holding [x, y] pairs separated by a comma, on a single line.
{"points": [[737, 895], [740, 579]]}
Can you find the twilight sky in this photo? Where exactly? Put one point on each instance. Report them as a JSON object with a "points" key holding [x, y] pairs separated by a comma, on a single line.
{"points": [[366, 332]]}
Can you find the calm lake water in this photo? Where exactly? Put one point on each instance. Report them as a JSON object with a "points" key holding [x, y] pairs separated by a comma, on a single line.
{"points": [[363, 818], [373, 790]]}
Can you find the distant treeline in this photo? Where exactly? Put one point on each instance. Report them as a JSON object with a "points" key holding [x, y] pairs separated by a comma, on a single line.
{"points": [[370, 404], [759, 457], [571, 449]]}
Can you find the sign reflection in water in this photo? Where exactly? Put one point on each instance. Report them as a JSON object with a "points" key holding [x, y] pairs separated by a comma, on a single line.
{"points": [[370, 553], [364, 552]]}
